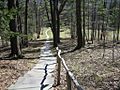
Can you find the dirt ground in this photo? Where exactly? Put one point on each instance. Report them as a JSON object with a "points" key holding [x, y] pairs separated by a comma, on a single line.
{"points": [[95, 67], [11, 70]]}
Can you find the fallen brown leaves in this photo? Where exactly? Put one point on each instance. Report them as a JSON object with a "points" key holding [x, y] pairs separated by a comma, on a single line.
{"points": [[94, 67], [63, 84], [11, 70]]}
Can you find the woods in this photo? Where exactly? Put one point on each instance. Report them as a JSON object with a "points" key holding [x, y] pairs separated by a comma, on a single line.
{"points": [[81, 28]]}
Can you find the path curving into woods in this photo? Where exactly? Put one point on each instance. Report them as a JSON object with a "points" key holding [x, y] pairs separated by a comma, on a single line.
{"points": [[41, 76]]}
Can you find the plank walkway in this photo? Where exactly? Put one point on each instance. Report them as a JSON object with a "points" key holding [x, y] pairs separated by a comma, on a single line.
{"points": [[41, 76]]}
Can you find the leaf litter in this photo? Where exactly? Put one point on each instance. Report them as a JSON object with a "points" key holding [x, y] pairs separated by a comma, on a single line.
{"points": [[93, 67]]}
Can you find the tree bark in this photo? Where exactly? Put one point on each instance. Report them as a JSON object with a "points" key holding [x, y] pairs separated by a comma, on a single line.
{"points": [[88, 19], [53, 19], [36, 18], [14, 40], [25, 41], [39, 22], [118, 25], [72, 27], [83, 22], [79, 25], [19, 22], [58, 22]]}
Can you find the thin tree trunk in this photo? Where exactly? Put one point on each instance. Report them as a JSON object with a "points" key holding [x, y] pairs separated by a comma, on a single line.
{"points": [[118, 25], [72, 27], [19, 25], [79, 25], [88, 20], [25, 42], [39, 24], [36, 18], [58, 22], [58, 28], [98, 31], [93, 23], [83, 22]]}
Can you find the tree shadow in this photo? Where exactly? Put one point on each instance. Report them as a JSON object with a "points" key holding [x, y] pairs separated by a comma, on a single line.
{"points": [[33, 48], [3, 49], [44, 78]]}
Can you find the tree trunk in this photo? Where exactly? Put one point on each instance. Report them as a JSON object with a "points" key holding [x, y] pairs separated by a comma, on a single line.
{"points": [[72, 27], [14, 40], [79, 25], [98, 32], [39, 26], [88, 19], [93, 23], [58, 28], [36, 18], [25, 42], [83, 22], [19, 25], [53, 17], [58, 22], [118, 25]]}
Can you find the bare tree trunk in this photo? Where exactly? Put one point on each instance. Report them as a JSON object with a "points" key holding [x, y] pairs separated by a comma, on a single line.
{"points": [[14, 40], [79, 25], [39, 24], [98, 31], [72, 27], [19, 25], [118, 25], [36, 18], [88, 20], [93, 22], [25, 41], [53, 17], [84, 22]]}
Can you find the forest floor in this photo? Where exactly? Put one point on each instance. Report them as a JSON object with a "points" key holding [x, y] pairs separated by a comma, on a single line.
{"points": [[11, 70], [94, 67]]}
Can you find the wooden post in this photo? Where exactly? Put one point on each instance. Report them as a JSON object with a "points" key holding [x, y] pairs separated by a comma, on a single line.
{"points": [[59, 68], [57, 54], [69, 76], [68, 81]]}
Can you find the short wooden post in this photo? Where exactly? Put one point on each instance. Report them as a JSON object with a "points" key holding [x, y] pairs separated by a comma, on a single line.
{"points": [[68, 81], [59, 68], [57, 53]]}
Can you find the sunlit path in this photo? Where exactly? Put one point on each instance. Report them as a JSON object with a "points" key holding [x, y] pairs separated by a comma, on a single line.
{"points": [[41, 76]]}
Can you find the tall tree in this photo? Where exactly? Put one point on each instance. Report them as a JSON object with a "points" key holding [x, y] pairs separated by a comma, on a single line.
{"points": [[53, 20], [14, 39], [59, 9], [79, 25], [25, 41], [36, 17], [56, 10], [83, 22], [118, 25], [93, 19], [39, 22], [19, 22]]}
